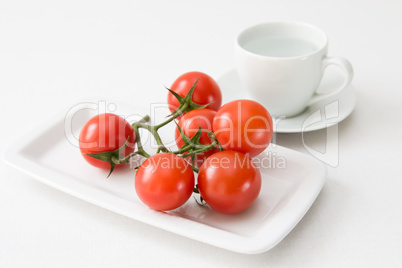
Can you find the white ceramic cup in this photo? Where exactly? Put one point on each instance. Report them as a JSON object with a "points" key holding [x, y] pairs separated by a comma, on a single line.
{"points": [[280, 64]]}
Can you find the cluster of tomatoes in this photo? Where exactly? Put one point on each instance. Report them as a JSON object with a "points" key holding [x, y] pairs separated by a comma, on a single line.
{"points": [[217, 142]]}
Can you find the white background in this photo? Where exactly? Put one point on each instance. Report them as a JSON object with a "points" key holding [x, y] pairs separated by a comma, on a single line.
{"points": [[55, 53]]}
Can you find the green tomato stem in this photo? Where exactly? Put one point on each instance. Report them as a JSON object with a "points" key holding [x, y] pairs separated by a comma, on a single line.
{"points": [[176, 114], [145, 119], [183, 149], [201, 150], [154, 131], [194, 168], [140, 149]]}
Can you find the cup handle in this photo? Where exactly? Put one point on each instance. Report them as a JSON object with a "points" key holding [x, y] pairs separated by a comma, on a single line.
{"points": [[347, 68]]}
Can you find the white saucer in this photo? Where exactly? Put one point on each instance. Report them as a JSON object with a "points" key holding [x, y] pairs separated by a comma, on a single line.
{"points": [[320, 115]]}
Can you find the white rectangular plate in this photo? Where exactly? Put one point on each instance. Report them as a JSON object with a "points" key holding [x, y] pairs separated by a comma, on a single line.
{"points": [[291, 183]]}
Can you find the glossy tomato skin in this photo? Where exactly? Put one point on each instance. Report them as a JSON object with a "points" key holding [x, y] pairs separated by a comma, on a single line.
{"points": [[229, 182], [189, 124], [105, 132], [164, 181], [206, 91], [244, 126]]}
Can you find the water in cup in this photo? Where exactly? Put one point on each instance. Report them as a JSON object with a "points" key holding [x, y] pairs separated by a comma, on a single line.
{"points": [[279, 46]]}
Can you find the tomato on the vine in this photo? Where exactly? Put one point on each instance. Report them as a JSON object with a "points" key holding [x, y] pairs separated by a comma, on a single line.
{"points": [[206, 90], [105, 132], [190, 124], [164, 181], [244, 126], [229, 182]]}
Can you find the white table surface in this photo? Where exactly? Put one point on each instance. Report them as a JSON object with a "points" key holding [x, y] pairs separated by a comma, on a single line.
{"points": [[54, 53]]}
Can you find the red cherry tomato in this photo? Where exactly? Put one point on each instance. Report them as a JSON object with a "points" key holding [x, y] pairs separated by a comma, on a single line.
{"points": [[190, 123], [229, 182], [244, 126], [105, 132], [206, 91], [164, 181]]}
